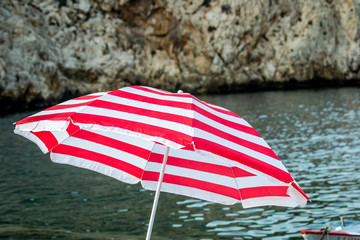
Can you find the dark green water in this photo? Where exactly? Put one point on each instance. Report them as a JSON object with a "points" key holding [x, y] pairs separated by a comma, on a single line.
{"points": [[316, 133]]}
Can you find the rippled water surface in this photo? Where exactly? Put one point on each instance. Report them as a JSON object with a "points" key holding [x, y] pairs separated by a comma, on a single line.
{"points": [[316, 133]]}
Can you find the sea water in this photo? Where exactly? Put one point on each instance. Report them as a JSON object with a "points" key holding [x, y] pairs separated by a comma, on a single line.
{"points": [[316, 133]]}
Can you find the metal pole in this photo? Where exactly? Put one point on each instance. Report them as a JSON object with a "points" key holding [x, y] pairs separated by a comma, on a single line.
{"points": [[157, 194]]}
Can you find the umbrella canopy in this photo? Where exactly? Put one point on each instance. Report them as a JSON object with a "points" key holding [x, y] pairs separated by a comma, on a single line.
{"points": [[211, 153]]}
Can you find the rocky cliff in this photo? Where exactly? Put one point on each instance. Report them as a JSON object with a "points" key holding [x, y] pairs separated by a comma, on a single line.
{"points": [[53, 49]]}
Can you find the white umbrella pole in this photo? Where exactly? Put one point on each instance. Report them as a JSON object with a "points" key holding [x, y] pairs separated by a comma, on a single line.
{"points": [[157, 194]]}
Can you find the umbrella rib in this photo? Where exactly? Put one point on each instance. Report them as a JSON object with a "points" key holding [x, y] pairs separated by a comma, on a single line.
{"points": [[147, 161], [237, 186]]}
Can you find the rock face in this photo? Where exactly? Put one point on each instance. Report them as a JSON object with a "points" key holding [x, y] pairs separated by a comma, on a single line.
{"points": [[52, 49]]}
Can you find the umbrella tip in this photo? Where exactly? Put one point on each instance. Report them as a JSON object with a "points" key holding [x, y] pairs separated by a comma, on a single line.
{"points": [[180, 91]]}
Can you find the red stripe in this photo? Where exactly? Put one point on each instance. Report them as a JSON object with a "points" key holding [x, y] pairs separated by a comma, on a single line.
{"points": [[253, 146], [47, 138], [214, 117], [203, 144], [238, 172], [89, 97], [194, 165], [151, 100], [49, 117], [268, 191], [66, 106], [113, 143], [143, 112], [300, 190], [72, 128], [138, 127], [162, 93], [186, 95], [228, 123], [193, 183], [220, 110], [100, 158], [189, 106]]}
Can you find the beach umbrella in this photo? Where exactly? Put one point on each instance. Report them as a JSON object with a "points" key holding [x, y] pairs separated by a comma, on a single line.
{"points": [[171, 142]]}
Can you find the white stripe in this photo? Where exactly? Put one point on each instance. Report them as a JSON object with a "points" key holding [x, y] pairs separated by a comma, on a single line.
{"points": [[232, 131], [214, 106], [297, 196], [44, 125], [101, 112], [105, 150], [70, 109], [169, 97], [94, 166], [262, 157], [186, 113], [80, 101], [256, 172], [149, 106], [191, 100], [236, 164], [157, 90], [231, 118], [194, 174], [96, 127], [138, 142], [97, 93], [26, 126], [190, 192], [266, 201], [192, 156], [243, 182], [257, 181], [28, 135], [70, 102], [66, 110], [60, 135]]}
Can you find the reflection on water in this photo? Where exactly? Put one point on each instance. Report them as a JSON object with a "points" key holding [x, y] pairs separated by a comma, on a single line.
{"points": [[316, 133]]}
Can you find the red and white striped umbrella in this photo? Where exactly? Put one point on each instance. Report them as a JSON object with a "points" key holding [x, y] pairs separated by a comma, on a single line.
{"points": [[132, 133]]}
